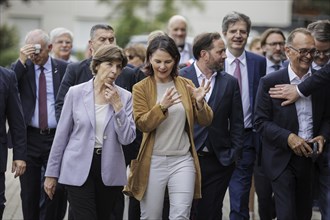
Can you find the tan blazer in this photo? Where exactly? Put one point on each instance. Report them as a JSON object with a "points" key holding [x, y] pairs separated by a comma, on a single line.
{"points": [[148, 115]]}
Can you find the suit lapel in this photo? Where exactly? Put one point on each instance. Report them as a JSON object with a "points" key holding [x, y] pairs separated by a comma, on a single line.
{"points": [[250, 72], [88, 99], [32, 77], [191, 72], [56, 77], [292, 110], [218, 91]]}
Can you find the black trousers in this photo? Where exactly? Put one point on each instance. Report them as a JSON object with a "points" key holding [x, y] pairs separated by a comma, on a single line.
{"points": [[93, 200], [38, 149], [264, 190], [215, 181], [2, 193], [293, 190]]}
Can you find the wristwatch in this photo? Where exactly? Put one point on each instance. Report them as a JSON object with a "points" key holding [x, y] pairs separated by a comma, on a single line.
{"points": [[164, 110]]}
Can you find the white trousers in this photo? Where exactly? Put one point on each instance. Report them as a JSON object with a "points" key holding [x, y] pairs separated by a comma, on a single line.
{"points": [[178, 174]]}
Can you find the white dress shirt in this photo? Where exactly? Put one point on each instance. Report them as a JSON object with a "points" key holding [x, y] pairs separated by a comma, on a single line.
{"points": [[303, 107], [52, 123]]}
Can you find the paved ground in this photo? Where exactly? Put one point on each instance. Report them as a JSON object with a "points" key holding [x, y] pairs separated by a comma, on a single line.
{"points": [[13, 209]]}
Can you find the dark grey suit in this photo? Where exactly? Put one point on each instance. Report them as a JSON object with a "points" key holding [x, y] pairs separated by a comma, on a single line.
{"points": [[290, 174], [223, 138], [38, 143], [10, 110]]}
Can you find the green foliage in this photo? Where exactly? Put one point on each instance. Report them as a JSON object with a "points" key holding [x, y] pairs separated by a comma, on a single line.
{"points": [[128, 22], [8, 45]]}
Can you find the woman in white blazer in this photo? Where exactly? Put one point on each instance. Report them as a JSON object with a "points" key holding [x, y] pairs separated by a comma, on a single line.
{"points": [[86, 154]]}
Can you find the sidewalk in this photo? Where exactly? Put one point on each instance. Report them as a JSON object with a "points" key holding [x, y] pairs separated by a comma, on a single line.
{"points": [[13, 210]]}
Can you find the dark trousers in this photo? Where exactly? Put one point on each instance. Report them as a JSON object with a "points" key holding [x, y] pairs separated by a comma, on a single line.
{"points": [[264, 190], [2, 193], [61, 208], [118, 211], [38, 149], [93, 200], [293, 191], [134, 211], [323, 187], [240, 182], [215, 180]]}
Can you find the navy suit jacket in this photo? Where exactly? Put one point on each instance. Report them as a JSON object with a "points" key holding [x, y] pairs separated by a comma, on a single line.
{"points": [[225, 134], [320, 77], [11, 109], [256, 67], [275, 122], [27, 83]]}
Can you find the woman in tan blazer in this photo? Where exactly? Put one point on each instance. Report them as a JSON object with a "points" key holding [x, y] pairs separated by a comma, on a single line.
{"points": [[165, 108]]}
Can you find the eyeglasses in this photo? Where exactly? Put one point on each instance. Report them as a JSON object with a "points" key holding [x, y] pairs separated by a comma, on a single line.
{"points": [[274, 44], [304, 51], [326, 53]]}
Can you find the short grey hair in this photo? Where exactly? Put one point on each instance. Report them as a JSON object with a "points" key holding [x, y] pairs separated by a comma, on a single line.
{"points": [[56, 32], [43, 35], [98, 27], [232, 18]]}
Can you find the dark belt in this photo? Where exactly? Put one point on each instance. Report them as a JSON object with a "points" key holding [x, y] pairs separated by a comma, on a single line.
{"points": [[98, 151], [248, 129], [46, 131]]}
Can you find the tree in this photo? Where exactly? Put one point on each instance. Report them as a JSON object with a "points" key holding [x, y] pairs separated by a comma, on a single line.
{"points": [[136, 16], [7, 4], [8, 45]]}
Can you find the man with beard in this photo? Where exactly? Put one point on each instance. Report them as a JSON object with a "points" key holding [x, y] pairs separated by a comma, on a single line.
{"points": [[272, 43], [217, 145]]}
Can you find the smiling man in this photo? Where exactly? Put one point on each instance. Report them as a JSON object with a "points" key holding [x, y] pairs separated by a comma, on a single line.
{"points": [[248, 68], [287, 130]]}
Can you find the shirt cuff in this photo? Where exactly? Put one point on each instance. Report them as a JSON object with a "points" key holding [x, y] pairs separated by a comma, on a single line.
{"points": [[299, 93]]}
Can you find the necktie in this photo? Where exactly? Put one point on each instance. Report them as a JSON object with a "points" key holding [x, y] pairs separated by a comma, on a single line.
{"points": [[237, 74], [43, 121], [276, 67]]}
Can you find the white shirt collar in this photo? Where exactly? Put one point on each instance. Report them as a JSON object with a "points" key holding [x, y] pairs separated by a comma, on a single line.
{"points": [[47, 66], [293, 76], [200, 74], [231, 58]]}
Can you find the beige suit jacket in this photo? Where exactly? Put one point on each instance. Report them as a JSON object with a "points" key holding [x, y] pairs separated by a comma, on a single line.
{"points": [[148, 115]]}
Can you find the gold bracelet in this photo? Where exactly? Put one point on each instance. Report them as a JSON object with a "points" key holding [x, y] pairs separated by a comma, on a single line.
{"points": [[164, 110]]}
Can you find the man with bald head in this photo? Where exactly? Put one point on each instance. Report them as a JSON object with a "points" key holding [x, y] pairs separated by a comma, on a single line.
{"points": [[39, 78], [177, 30]]}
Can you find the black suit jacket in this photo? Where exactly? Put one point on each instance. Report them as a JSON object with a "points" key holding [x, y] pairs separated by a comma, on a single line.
{"points": [[225, 134], [319, 78], [275, 122], [27, 83], [11, 109]]}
